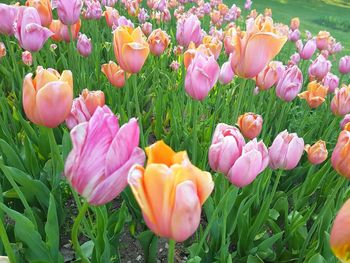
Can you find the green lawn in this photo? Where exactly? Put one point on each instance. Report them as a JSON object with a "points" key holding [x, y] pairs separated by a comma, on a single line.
{"points": [[315, 15]]}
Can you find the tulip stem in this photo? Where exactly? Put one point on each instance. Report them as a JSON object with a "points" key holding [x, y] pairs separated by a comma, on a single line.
{"points": [[171, 251], [6, 243], [75, 230], [138, 111], [194, 129], [56, 158]]}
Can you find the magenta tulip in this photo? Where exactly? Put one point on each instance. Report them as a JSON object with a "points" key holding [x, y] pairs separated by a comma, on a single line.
{"points": [[290, 84]]}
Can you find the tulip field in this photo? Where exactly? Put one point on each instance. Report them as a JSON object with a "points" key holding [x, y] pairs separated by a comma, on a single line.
{"points": [[174, 131]]}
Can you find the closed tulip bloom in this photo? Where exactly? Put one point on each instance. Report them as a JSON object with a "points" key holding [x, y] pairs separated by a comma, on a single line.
{"points": [[290, 84], [188, 29], [340, 104], [158, 41], [84, 107], [294, 59], [229, 36], [28, 30], [341, 154], [191, 52], [319, 68], [111, 14], [114, 73], [226, 147], [93, 9], [69, 11], [201, 76], [170, 192], [315, 95], [61, 31], [250, 125], [322, 40], [345, 121], [294, 23], [27, 58], [2, 50], [84, 45], [317, 153], [262, 36], [308, 49], [130, 48], [98, 166], [294, 36], [8, 15], [250, 164], [47, 99], [44, 9], [331, 81], [226, 73], [146, 28], [213, 44], [340, 233], [286, 151], [344, 65], [270, 75]]}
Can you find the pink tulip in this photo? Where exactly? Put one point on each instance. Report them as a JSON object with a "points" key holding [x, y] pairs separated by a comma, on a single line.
{"points": [[27, 58], [330, 81], [226, 148], [8, 15], [294, 36], [201, 76], [69, 11], [344, 65], [286, 151], [248, 4], [226, 73], [142, 16], [340, 104], [345, 121], [270, 75], [28, 30], [93, 10], [320, 67], [290, 84], [146, 28], [84, 45], [175, 65], [102, 155], [335, 48], [188, 29], [294, 59], [341, 154], [250, 164], [307, 51]]}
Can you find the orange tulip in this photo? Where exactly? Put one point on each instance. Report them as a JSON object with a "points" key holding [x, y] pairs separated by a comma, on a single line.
{"points": [[170, 192], [317, 153], [44, 9], [114, 73], [260, 38], [130, 48], [322, 40], [223, 9], [214, 44], [341, 154], [61, 31], [250, 125], [315, 94], [111, 14], [191, 52], [48, 98], [347, 127], [158, 41]]}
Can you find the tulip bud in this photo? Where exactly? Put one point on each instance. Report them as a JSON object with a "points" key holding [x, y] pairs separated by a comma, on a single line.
{"points": [[69, 11], [341, 154], [290, 84], [322, 40], [331, 81], [158, 41], [250, 125], [286, 151], [2, 50], [84, 45], [294, 36], [294, 23], [319, 68], [315, 94], [317, 153], [115, 74], [27, 58], [340, 104], [308, 49], [226, 73], [344, 65], [270, 75]]}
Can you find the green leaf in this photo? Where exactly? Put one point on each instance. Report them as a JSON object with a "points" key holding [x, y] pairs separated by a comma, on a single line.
{"points": [[12, 158], [149, 243], [317, 258], [254, 259]]}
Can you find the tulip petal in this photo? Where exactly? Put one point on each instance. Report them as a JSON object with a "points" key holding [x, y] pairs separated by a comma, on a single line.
{"points": [[160, 153], [29, 99], [134, 56]]}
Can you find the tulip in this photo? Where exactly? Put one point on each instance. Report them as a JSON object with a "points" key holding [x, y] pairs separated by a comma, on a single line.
{"points": [[8, 15], [93, 10], [97, 167], [111, 16], [226, 73], [319, 68], [188, 30], [340, 104], [132, 7], [47, 99], [216, 18], [27, 58], [345, 121], [213, 44], [270, 75], [294, 59], [294, 36], [201, 76], [2, 50], [84, 45], [114, 73], [340, 233], [322, 40], [248, 4], [84, 107], [191, 52], [223, 9], [146, 28], [123, 21], [28, 30], [330, 81], [250, 164], [268, 12], [175, 65], [158, 41], [69, 11], [226, 148], [317, 153], [344, 65], [341, 154], [335, 48], [74, 29], [229, 37], [290, 84], [294, 23], [44, 9], [130, 48], [143, 15], [307, 51], [286, 151], [250, 125], [170, 192], [315, 94], [260, 35]]}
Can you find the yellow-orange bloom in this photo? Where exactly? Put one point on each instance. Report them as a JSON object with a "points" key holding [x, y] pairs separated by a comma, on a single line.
{"points": [[256, 47], [317, 153], [315, 94], [170, 192], [114, 73], [268, 12], [130, 48], [44, 9], [214, 44], [294, 23], [191, 52], [347, 127], [48, 98], [223, 9], [158, 41]]}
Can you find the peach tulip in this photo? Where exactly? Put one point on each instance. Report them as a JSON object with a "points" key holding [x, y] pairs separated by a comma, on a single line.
{"points": [[315, 95], [213, 44], [294, 23], [191, 52], [317, 153], [47, 99], [61, 31], [111, 14], [130, 48], [341, 154], [114, 73], [27, 58], [260, 35], [322, 40], [270, 75], [2, 50], [250, 125], [340, 104], [44, 9], [158, 41], [170, 192]]}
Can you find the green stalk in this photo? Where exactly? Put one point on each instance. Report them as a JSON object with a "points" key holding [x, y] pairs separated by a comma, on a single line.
{"points": [[57, 161], [194, 129], [171, 251], [6, 243], [240, 98], [138, 110]]}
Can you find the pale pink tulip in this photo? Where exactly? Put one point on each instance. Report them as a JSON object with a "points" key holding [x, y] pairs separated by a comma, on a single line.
{"points": [[330, 81], [69, 11], [226, 73], [270, 75], [290, 84], [344, 65], [188, 29], [319, 68], [8, 15], [84, 45], [306, 52]]}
